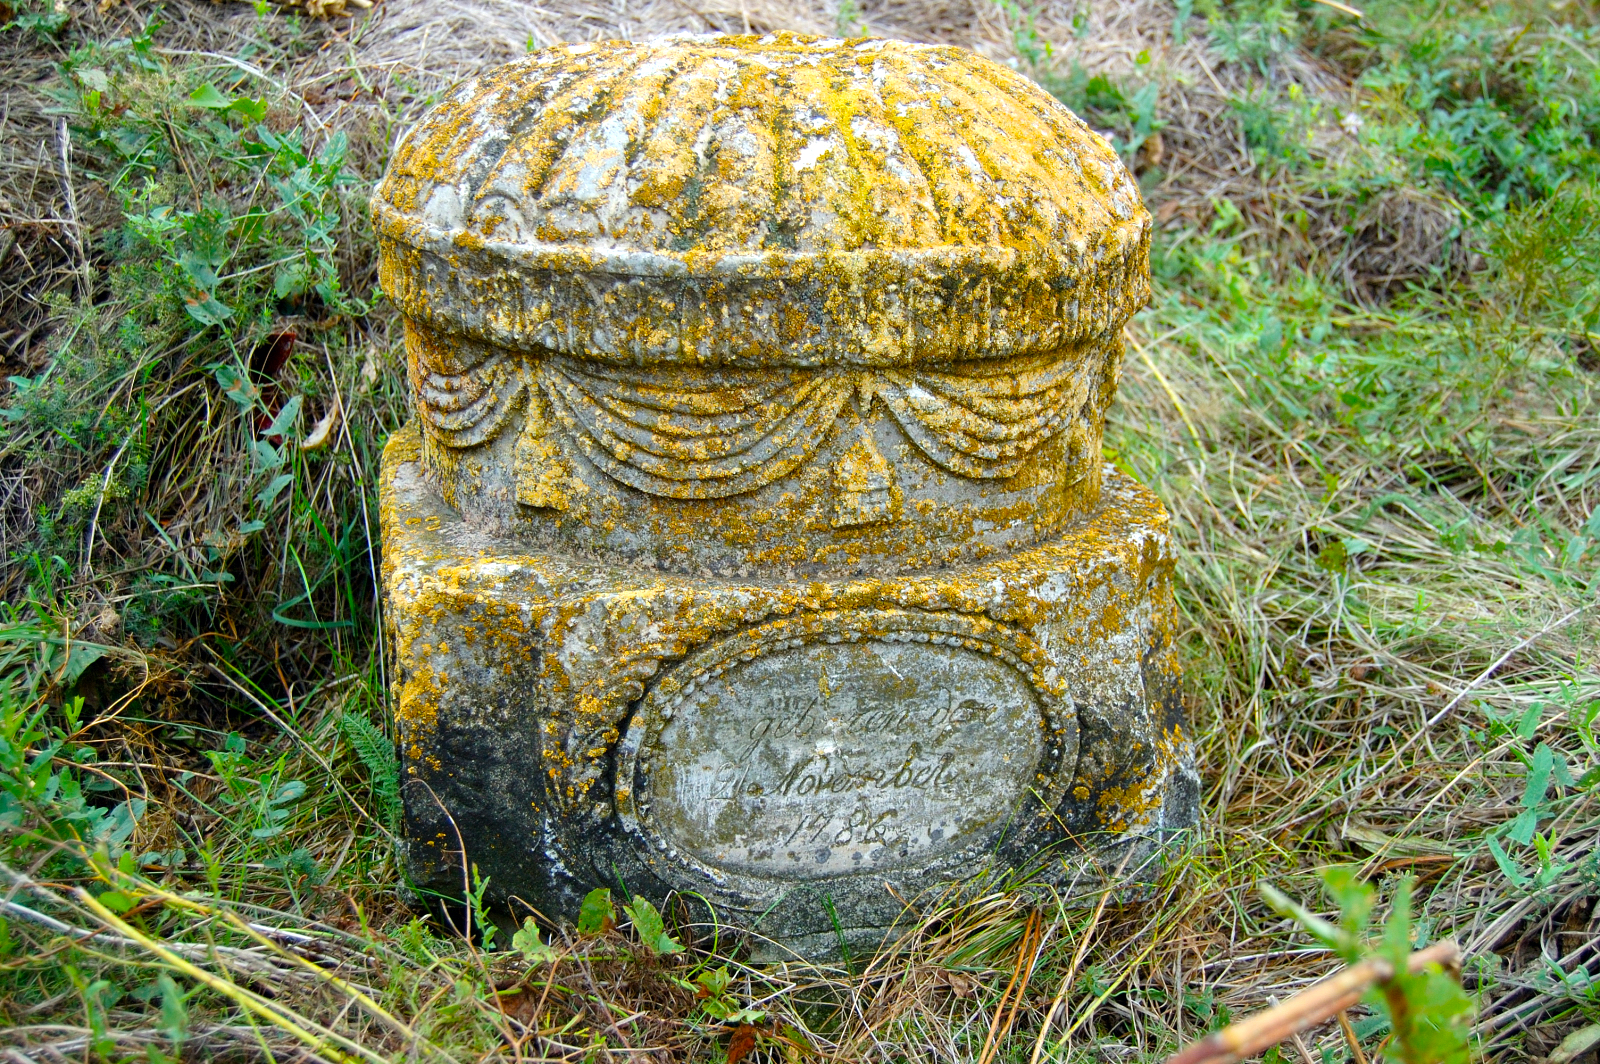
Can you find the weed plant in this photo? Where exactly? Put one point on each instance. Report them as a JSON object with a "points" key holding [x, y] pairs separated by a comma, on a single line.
{"points": [[1386, 496]]}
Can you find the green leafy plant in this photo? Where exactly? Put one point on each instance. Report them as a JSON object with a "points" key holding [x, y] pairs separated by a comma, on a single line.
{"points": [[711, 989], [533, 949], [650, 928], [1129, 116], [849, 20], [1258, 32], [50, 795], [229, 261], [45, 19], [1033, 49], [597, 914], [486, 927], [276, 807], [1487, 106], [1428, 1012], [376, 753], [1544, 767]]}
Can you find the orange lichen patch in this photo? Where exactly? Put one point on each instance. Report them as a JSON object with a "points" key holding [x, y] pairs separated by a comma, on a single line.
{"points": [[604, 631], [734, 355], [702, 145], [728, 201], [702, 269]]}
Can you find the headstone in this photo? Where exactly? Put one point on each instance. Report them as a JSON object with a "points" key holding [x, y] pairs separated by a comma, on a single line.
{"points": [[752, 539]]}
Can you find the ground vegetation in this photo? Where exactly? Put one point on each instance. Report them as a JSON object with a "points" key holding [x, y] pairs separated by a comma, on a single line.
{"points": [[1368, 388]]}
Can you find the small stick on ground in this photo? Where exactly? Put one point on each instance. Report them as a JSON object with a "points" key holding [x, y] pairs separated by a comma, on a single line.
{"points": [[1350, 1038], [1306, 1009]]}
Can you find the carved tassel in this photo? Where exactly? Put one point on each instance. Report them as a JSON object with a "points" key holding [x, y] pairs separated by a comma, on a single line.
{"points": [[543, 474], [862, 483]]}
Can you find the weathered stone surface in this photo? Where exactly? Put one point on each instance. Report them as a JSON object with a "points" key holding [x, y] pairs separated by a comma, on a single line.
{"points": [[719, 268], [732, 202], [883, 750], [570, 714], [752, 536]]}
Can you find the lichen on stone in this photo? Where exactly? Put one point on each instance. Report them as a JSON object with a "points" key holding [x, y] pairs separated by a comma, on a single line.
{"points": [[744, 370], [792, 200]]}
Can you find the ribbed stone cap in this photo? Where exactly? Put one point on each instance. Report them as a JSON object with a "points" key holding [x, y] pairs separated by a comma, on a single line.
{"points": [[739, 201]]}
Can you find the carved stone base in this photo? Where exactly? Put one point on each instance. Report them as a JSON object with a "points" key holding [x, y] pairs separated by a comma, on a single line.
{"points": [[779, 749]]}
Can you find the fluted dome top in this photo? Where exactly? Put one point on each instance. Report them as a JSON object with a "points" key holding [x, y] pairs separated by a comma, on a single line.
{"points": [[836, 167]]}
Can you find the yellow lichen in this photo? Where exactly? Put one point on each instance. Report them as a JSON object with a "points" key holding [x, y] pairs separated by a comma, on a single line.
{"points": [[714, 337]]}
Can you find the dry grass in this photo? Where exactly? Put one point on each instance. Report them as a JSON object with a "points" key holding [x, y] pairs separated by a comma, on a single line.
{"points": [[1388, 614]]}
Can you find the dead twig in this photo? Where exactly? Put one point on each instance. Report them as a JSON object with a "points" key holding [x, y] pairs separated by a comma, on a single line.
{"points": [[1306, 1009]]}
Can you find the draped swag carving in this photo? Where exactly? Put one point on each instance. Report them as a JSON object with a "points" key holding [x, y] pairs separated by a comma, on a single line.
{"points": [[692, 433]]}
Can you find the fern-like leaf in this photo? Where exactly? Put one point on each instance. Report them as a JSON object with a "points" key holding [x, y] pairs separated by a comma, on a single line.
{"points": [[377, 755]]}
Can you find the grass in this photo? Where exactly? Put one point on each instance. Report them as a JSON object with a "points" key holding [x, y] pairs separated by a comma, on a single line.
{"points": [[1382, 455]]}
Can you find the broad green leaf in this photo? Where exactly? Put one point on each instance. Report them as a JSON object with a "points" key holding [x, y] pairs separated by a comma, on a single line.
{"points": [[1538, 777], [652, 931], [596, 914], [269, 494], [715, 982], [252, 110], [208, 95], [285, 420], [1530, 721], [332, 154], [117, 901], [118, 826], [205, 309], [1508, 867], [716, 1003], [174, 1012], [1563, 771], [200, 269], [266, 455], [79, 657], [236, 386], [528, 943], [1522, 827], [291, 279]]}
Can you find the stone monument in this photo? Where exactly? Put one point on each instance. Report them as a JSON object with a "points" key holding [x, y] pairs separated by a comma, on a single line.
{"points": [[752, 538]]}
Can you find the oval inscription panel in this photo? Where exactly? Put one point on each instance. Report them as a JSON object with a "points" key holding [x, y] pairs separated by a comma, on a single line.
{"points": [[820, 759]]}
